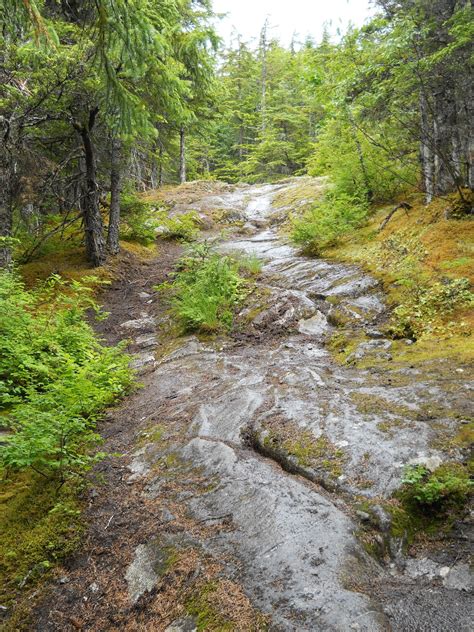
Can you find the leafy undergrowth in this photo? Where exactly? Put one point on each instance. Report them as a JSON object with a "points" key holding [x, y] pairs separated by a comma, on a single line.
{"points": [[207, 288], [330, 218], [449, 485], [429, 502], [143, 221], [55, 380], [424, 258], [426, 506]]}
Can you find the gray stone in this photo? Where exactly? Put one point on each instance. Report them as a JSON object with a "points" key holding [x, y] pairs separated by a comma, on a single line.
{"points": [[314, 326], [186, 624], [374, 333], [143, 363], [430, 462], [166, 516], [139, 324], [146, 341], [460, 577], [423, 567], [144, 571], [278, 522]]}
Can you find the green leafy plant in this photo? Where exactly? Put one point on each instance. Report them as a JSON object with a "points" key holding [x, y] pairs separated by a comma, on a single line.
{"points": [[250, 264], [183, 227], [448, 485], [55, 376], [140, 220], [327, 221], [206, 289]]}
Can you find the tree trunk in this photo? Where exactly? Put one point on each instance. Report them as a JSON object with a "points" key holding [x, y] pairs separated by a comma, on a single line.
{"points": [[160, 167], [157, 167], [113, 234], [426, 152], [182, 156], [241, 140], [445, 128], [363, 167], [93, 225], [263, 49], [6, 206], [6, 224]]}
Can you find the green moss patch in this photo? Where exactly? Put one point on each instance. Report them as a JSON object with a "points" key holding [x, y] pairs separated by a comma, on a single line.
{"points": [[207, 617], [221, 606], [40, 526], [318, 453]]}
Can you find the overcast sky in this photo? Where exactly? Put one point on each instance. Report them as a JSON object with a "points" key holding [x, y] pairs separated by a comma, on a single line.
{"points": [[305, 17]]}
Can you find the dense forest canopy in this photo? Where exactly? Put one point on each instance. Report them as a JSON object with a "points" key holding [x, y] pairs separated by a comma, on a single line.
{"points": [[103, 97]]}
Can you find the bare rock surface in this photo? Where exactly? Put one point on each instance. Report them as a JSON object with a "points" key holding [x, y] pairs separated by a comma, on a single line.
{"points": [[270, 443], [295, 545]]}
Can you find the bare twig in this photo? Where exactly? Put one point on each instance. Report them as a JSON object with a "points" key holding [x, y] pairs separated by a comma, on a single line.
{"points": [[403, 205]]}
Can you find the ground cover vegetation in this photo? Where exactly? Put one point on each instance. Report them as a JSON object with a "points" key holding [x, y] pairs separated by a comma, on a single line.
{"points": [[207, 288], [56, 378]]}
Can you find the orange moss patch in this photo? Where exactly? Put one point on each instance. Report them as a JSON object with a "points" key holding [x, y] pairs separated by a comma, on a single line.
{"points": [[440, 247], [448, 243], [138, 250], [420, 250], [72, 265]]}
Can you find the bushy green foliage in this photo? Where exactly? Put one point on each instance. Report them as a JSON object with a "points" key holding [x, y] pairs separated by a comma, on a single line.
{"points": [[329, 219], [55, 376], [139, 220], [206, 289], [425, 303], [249, 263], [183, 227], [448, 485]]}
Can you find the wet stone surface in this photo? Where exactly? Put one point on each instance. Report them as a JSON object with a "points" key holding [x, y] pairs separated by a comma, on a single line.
{"points": [[291, 543]]}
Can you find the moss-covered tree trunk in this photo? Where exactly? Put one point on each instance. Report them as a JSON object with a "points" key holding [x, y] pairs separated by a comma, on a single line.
{"points": [[5, 234]]}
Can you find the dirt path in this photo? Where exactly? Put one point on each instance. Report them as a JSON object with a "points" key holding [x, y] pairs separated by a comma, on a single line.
{"points": [[247, 459]]}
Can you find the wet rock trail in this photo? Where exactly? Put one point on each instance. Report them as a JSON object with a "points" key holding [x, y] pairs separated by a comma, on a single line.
{"points": [[250, 461]]}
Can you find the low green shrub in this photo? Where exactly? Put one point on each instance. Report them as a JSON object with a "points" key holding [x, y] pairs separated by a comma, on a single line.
{"points": [[250, 264], [55, 376], [139, 220], [183, 227], [448, 485], [205, 290], [329, 219]]}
